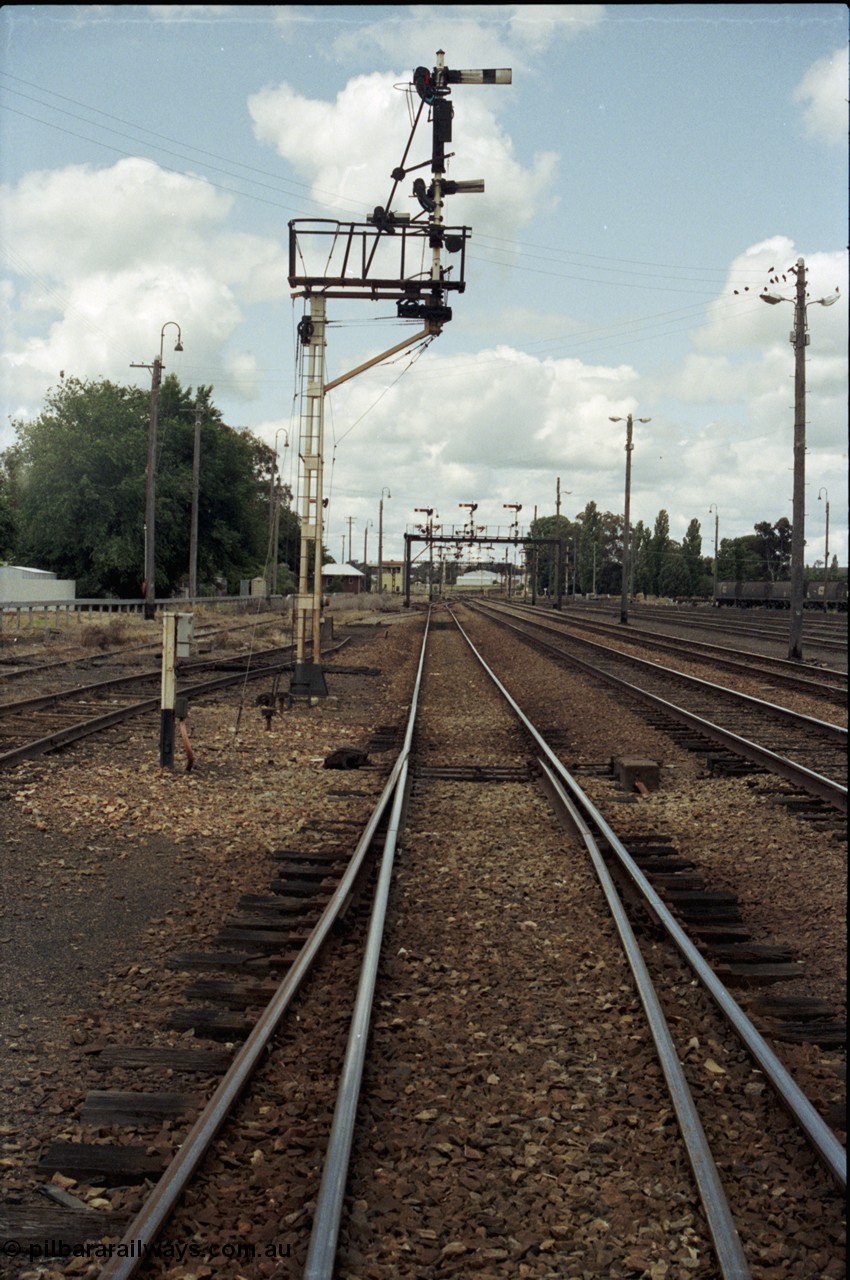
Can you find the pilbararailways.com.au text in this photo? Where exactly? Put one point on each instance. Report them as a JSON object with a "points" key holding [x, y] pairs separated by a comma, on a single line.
{"points": [[166, 1250]]}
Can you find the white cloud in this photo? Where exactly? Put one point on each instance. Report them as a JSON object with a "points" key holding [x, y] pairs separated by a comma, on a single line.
{"points": [[824, 89], [368, 119], [471, 35], [106, 256]]}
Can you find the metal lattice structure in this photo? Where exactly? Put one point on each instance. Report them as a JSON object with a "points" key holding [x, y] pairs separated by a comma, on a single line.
{"points": [[417, 262]]}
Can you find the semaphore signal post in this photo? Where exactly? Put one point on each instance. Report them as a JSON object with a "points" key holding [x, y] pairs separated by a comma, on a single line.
{"points": [[417, 262]]}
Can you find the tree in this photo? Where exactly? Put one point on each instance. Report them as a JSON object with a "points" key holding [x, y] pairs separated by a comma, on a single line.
{"points": [[80, 486], [9, 464], [674, 578], [658, 545], [738, 559], [692, 556], [773, 545], [546, 557]]}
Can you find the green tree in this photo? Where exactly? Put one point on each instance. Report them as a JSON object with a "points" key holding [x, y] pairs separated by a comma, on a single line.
{"points": [[738, 560], [589, 549], [9, 465], [693, 558], [80, 485], [674, 578], [773, 545], [658, 544], [639, 558], [546, 557]]}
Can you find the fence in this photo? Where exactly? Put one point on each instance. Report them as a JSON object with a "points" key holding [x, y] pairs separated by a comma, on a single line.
{"points": [[15, 615]]}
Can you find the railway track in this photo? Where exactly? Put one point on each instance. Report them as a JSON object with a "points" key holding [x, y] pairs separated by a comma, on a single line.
{"points": [[808, 753], [515, 1113], [48, 722], [823, 684], [827, 637]]}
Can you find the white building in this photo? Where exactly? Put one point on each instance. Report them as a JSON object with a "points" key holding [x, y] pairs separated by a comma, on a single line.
{"points": [[479, 580], [19, 585]]}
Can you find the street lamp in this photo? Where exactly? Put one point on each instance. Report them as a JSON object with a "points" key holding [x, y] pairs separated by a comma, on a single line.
{"points": [[825, 549], [386, 491], [713, 508], [368, 524], [799, 340], [624, 596], [148, 586]]}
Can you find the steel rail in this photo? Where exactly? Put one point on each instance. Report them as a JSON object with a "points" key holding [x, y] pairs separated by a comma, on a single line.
{"points": [[721, 1223], [85, 728], [151, 1218], [168, 1191], [830, 686], [834, 793], [328, 1212], [796, 717], [818, 1133]]}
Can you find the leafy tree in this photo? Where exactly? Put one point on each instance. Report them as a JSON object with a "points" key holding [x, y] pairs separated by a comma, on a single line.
{"points": [[589, 548], [80, 486], [658, 545], [639, 558], [546, 557], [9, 463], [674, 578], [738, 559], [692, 556], [773, 543]]}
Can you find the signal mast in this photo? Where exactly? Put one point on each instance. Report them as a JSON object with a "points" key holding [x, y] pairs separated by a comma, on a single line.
{"points": [[380, 258]]}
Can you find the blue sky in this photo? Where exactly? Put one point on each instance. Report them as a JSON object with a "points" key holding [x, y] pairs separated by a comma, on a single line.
{"points": [[645, 162]]}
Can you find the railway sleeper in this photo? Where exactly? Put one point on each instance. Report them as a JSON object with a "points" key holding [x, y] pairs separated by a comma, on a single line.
{"points": [[264, 940], [710, 904], [186, 961], [53, 1229], [826, 1035], [113, 1166], [758, 974], [235, 995], [104, 1107], [212, 1024], [204, 1062]]}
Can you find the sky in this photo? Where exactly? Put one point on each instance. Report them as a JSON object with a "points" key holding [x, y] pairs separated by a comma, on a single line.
{"points": [[650, 170]]}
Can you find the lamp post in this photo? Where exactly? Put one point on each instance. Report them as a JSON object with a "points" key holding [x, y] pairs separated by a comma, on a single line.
{"points": [[825, 549], [148, 586], [367, 525], [713, 508], [274, 515], [386, 491], [624, 595], [799, 340]]}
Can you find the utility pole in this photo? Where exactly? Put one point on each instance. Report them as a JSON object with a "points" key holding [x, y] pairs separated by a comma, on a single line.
{"points": [[149, 584], [799, 340], [386, 491], [713, 508], [350, 523], [624, 595], [193, 526], [825, 550], [365, 557]]}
